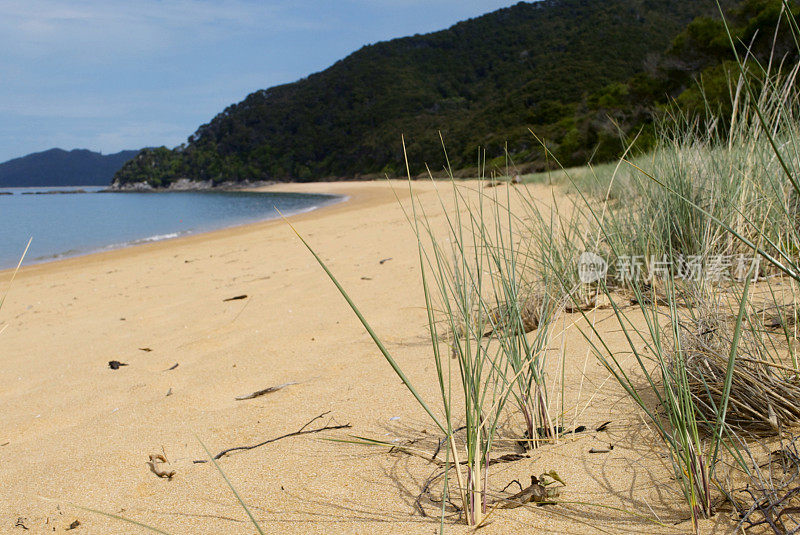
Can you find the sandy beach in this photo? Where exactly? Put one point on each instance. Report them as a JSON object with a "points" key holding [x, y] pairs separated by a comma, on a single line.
{"points": [[74, 431]]}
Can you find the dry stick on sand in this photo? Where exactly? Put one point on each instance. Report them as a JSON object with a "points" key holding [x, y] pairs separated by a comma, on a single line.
{"points": [[445, 467], [301, 431], [538, 492], [269, 390]]}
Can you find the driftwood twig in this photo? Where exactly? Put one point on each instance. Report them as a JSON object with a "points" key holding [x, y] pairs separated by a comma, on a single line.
{"points": [[301, 431]]}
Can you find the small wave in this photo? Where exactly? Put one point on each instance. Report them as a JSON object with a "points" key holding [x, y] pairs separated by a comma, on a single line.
{"points": [[148, 239], [300, 210], [334, 199], [76, 252], [158, 237]]}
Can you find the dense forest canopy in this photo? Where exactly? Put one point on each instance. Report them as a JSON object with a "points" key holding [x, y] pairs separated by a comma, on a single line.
{"points": [[584, 75]]}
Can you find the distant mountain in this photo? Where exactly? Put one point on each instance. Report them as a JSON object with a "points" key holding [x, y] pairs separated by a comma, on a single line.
{"points": [[483, 83], [57, 167]]}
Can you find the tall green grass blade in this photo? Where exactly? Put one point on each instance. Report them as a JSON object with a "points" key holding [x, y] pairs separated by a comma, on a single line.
{"points": [[121, 519], [759, 112], [722, 411], [368, 327], [16, 270], [230, 485]]}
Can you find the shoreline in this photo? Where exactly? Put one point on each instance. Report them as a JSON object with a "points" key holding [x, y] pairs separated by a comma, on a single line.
{"points": [[145, 241]]}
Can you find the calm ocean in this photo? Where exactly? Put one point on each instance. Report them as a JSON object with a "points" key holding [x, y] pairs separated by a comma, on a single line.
{"points": [[73, 224]]}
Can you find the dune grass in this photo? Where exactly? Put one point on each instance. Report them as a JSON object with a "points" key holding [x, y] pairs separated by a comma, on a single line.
{"points": [[480, 305], [727, 202]]}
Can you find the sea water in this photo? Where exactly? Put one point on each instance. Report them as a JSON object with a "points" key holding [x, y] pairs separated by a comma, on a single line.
{"points": [[62, 225]]}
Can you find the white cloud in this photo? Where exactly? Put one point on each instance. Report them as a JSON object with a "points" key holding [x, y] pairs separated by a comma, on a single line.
{"points": [[98, 31], [45, 15]]}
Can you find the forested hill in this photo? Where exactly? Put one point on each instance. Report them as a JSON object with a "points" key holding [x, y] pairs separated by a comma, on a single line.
{"points": [[482, 83], [57, 167]]}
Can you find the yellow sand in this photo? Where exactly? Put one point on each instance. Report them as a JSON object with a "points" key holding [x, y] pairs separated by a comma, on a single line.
{"points": [[73, 431]]}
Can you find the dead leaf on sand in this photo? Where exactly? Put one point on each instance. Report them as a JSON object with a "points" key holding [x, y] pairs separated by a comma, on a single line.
{"points": [[602, 450], [155, 463], [270, 390]]}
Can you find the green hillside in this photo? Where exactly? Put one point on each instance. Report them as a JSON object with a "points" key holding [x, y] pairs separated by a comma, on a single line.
{"points": [[692, 77], [553, 66]]}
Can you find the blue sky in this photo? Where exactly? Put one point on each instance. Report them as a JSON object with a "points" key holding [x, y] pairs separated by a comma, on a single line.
{"points": [[109, 75]]}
